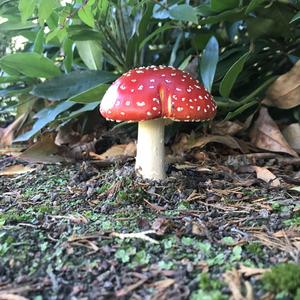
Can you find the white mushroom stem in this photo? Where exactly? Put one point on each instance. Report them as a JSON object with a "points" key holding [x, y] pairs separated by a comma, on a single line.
{"points": [[150, 157]]}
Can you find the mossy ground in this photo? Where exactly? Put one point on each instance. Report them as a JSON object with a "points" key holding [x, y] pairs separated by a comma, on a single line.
{"points": [[60, 232]]}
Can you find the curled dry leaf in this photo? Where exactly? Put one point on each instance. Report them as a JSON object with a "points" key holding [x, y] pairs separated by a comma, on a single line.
{"points": [[6, 296], [267, 176], [16, 170], [249, 272], [292, 135], [233, 279], [265, 134], [285, 91], [227, 128], [7, 134], [115, 152], [43, 151], [187, 142]]}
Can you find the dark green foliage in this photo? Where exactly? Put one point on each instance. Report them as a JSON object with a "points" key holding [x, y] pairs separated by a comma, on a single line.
{"points": [[283, 278]]}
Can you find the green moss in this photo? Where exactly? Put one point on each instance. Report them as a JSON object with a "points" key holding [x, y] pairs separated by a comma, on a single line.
{"points": [[283, 278]]}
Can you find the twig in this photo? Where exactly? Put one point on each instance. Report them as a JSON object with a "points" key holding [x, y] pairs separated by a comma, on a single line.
{"points": [[136, 235]]}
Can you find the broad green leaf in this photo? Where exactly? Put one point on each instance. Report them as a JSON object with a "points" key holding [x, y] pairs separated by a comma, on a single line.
{"points": [[14, 23], [231, 75], [83, 33], [253, 5], [86, 16], [209, 62], [220, 5], [86, 107], [68, 51], [229, 15], [91, 95], [26, 8], [69, 85], [44, 117], [91, 54], [12, 91], [184, 12], [45, 9], [9, 79], [29, 64], [175, 48], [295, 17], [39, 41]]}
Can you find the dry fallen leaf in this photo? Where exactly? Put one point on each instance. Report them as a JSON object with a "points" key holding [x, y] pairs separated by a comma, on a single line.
{"points": [[267, 176], [44, 151], [285, 91], [248, 271], [5, 296], [232, 278], [115, 151], [265, 134], [292, 135], [188, 142], [7, 134], [227, 128], [16, 170]]}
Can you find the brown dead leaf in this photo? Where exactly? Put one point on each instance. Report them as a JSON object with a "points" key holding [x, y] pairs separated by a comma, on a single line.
{"points": [[11, 151], [162, 284], [115, 151], [285, 91], [43, 151], [66, 136], [232, 278], [227, 128], [267, 176], [188, 142], [7, 134], [16, 170], [292, 136], [161, 225], [249, 272], [265, 134]]}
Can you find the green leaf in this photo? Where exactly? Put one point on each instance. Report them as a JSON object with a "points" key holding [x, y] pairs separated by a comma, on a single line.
{"points": [[26, 8], [91, 54], [69, 85], [231, 75], [86, 16], [220, 5], [295, 17], [68, 51], [45, 9], [39, 41], [184, 12], [86, 107], [240, 110], [29, 64], [44, 116], [253, 5], [209, 62], [91, 95]]}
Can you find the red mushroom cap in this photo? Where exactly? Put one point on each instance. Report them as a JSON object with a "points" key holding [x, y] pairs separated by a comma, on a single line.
{"points": [[157, 92]]}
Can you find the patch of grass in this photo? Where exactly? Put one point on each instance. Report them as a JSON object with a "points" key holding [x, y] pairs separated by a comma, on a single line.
{"points": [[283, 278]]}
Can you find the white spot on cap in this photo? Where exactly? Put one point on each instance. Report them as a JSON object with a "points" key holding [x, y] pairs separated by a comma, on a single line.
{"points": [[174, 97], [122, 113], [122, 87], [200, 97], [155, 100], [154, 108], [207, 106], [168, 81], [133, 80], [178, 89], [188, 90], [132, 90], [127, 103], [149, 113], [141, 103], [184, 76], [140, 87], [163, 75], [139, 71], [197, 87], [191, 107], [179, 109], [151, 87], [182, 79], [173, 74], [109, 112], [205, 110], [152, 80], [198, 108], [191, 100]]}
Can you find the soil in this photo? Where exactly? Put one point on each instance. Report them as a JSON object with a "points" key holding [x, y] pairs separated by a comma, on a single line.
{"points": [[209, 231]]}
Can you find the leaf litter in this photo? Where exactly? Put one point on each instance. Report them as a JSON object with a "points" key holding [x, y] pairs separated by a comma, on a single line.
{"points": [[82, 231]]}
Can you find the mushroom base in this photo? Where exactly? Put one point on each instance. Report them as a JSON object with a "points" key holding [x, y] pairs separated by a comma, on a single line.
{"points": [[150, 157]]}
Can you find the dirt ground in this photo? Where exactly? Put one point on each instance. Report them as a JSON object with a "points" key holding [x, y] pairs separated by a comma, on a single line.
{"points": [[210, 231]]}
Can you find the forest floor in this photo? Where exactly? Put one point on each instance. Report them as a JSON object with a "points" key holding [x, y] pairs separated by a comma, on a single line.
{"points": [[210, 231]]}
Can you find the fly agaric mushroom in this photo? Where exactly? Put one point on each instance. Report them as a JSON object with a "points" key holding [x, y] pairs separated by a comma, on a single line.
{"points": [[149, 95]]}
